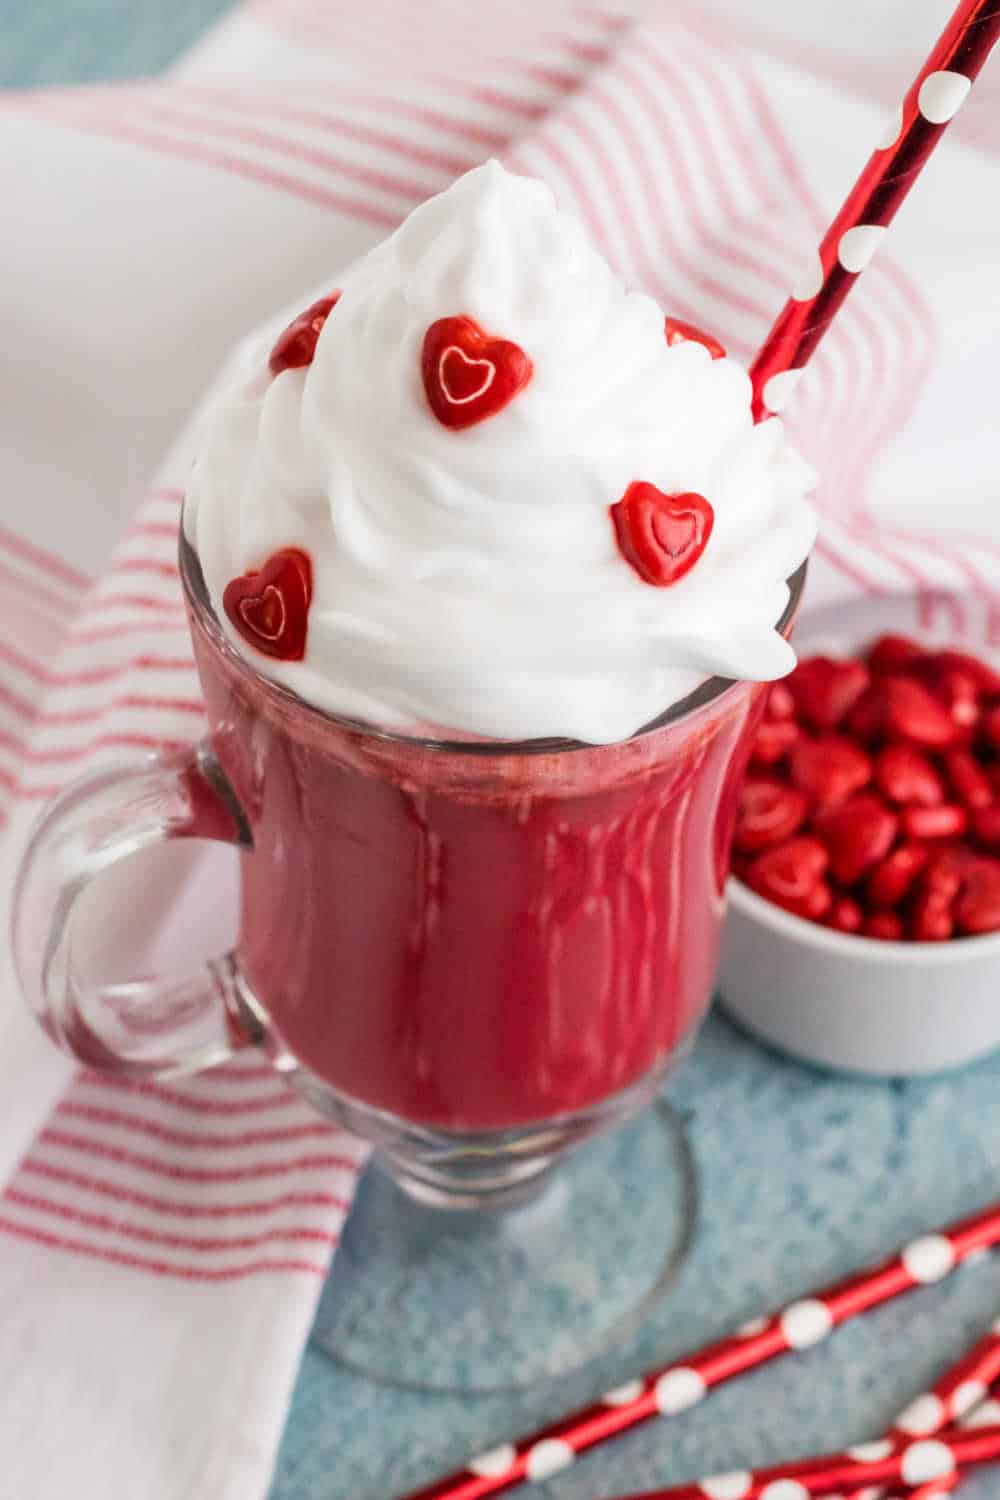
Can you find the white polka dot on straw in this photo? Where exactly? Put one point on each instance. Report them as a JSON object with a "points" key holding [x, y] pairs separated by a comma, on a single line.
{"points": [[810, 280], [806, 1323], [929, 1258], [967, 1396], [871, 1453], [858, 245], [547, 1458], [924, 1461], [925, 1413], [942, 95], [779, 388], [893, 130], [496, 1461], [731, 1486], [986, 1415], [623, 1395], [751, 1328], [678, 1389], [784, 1489]]}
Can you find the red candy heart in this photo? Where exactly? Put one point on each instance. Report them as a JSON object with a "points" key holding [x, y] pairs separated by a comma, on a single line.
{"points": [[662, 536], [904, 775], [894, 653], [469, 376], [977, 908], [269, 606], [947, 821], [769, 813], [297, 345], [686, 333], [845, 915], [780, 704], [866, 720], [890, 880], [914, 715], [857, 834], [958, 692], [773, 740], [887, 926], [970, 781], [982, 674], [791, 875], [931, 919], [829, 769], [825, 689]]}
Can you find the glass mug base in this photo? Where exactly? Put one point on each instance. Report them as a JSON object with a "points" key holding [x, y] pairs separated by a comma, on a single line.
{"points": [[529, 1285], [481, 1261]]}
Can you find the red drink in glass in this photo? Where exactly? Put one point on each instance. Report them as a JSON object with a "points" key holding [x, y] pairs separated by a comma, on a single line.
{"points": [[476, 937]]}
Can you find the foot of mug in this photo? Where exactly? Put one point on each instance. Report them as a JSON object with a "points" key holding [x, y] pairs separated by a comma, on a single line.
{"points": [[539, 1274], [461, 1190]]}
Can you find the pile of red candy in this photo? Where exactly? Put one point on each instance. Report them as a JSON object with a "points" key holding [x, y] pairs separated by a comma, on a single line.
{"points": [[872, 803]]}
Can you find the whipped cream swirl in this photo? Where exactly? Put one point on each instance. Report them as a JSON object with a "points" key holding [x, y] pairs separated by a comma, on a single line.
{"points": [[469, 582]]}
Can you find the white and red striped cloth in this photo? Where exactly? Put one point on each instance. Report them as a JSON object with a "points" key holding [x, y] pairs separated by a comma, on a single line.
{"points": [[161, 1248]]}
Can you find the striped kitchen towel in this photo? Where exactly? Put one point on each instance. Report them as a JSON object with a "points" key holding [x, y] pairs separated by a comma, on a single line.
{"points": [[162, 1247]]}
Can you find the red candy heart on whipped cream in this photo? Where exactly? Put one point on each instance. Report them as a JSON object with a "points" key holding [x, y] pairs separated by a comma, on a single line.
{"points": [[269, 606], [662, 536], [296, 346], [469, 375]]}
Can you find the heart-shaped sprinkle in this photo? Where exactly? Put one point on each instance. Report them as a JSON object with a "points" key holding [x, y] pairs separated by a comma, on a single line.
{"points": [[686, 333], [269, 606], [469, 375], [662, 536], [297, 345]]}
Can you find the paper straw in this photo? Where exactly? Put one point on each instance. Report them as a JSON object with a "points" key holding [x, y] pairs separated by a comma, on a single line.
{"points": [[985, 1415], [958, 1398], [908, 1461], [934, 98], [961, 1388], [674, 1388], [951, 1404]]}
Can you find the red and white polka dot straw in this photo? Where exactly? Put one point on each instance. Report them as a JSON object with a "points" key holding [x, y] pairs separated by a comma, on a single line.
{"points": [[962, 1389], [936, 95], [959, 1398], [675, 1387], [986, 1414], [908, 1461]]}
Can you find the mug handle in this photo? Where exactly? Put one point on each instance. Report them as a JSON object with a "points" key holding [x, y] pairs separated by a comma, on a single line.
{"points": [[142, 1028]]}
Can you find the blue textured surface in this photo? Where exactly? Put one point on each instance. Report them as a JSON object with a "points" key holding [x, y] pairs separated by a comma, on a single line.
{"points": [[803, 1175]]}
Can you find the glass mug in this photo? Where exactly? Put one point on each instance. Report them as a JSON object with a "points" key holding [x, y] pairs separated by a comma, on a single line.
{"points": [[474, 956]]}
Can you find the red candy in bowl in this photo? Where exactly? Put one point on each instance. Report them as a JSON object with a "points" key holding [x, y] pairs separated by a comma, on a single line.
{"points": [[864, 927]]}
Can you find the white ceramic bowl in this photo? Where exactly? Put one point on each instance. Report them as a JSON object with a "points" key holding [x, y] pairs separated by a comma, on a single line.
{"points": [[853, 1002]]}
